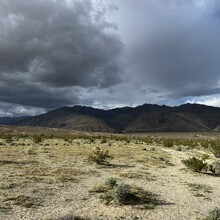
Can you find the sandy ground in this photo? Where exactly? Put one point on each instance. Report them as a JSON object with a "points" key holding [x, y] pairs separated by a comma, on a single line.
{"points": [[57, 177]]}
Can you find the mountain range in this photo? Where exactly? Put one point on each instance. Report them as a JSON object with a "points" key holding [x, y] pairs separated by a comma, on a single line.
{"points": [[145, 118]]}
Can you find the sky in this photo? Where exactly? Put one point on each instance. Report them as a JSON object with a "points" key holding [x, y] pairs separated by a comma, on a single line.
{"points": [[107, 53]]}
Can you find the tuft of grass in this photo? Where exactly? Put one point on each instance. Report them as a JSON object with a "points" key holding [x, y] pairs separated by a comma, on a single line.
{"points": [[199, 190]]}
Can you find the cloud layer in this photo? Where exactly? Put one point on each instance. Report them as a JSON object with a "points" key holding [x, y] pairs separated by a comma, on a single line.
{"points": [[179, 48], [48, 48], [56, 52]]}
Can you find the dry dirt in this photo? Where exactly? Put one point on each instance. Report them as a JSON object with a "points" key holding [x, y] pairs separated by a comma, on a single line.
{"points": [[49, 180]]}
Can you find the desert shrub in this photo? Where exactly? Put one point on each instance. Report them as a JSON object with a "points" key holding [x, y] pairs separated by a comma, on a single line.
{"points": [[215, 148], [187, 142], [195, 164], [99, 156], [38, 139], [121, 193], [214, 214], [67, 139], [111, 182], [104, 140], [8, 138], [215, 167], [205, 143], [168, 143], [205, 157], [131, 195]]}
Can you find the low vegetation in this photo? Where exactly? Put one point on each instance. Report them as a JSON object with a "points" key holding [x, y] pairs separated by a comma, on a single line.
{"points": [[168, 143], [52, 170], [38, 138], [195, 164], [214, 215], [215, 148], [100, 156], [124, 194]]}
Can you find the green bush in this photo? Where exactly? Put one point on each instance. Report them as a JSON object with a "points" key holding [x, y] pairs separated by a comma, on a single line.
{"points": [[195, 164], [122, 193], [214, 214], [100, 157], [215, 148], [38, 139], [168, 143]]}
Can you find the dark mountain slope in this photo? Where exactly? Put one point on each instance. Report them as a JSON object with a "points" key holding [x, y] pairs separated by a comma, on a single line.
{"points": [[69, 118], [188, 117]]}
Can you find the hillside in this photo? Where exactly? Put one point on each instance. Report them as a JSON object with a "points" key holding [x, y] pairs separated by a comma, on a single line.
{"points": [[145, 118]]}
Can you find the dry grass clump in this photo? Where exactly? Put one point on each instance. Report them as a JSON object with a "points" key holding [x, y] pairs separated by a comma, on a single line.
{"points": [[199, 190], [24, 201]]}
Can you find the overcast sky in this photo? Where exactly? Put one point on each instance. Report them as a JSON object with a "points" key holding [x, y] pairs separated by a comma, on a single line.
{"points": [[107, 53]]}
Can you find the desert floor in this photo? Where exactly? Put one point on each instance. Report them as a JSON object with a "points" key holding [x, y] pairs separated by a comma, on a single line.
{"points": [[54, 178]]}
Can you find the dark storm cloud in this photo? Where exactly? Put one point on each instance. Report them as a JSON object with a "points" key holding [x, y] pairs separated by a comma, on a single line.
{"points": [[47, 48], [108, 53]]}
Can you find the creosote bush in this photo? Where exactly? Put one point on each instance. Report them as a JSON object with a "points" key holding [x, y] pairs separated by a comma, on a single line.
{"points": [[99, 156], [195, 164]]}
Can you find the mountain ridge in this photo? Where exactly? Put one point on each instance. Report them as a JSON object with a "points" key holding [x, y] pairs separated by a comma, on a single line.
{"points": [[143, 118]]}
